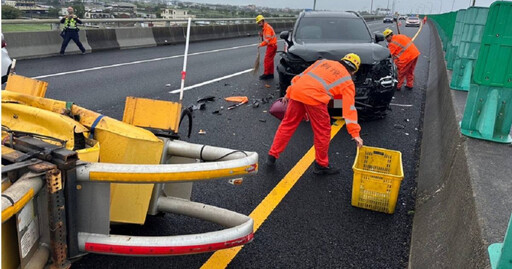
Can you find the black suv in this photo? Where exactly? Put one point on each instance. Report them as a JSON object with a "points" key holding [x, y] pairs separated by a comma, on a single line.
{"points": [[331, 35]]}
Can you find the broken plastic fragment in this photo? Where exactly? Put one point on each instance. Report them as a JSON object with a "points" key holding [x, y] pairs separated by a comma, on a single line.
{"points": [[237, 99], [206, 99], [202, 132], [236, 181]]}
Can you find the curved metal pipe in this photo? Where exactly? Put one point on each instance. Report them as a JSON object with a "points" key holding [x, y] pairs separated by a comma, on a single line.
{"points": [[240, 232], [40, 258], [234, 166], [19, 194], [203, 152]]}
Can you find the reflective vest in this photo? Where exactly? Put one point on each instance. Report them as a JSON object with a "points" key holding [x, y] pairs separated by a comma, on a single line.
{"points": [[323, 81], [269, 36], [70, 23], [402, 49]]}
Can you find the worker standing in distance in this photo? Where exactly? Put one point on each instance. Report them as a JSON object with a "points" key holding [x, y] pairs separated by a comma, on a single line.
{"points": [[405, 54], [310, 92], [269, 40], [70, 31]]}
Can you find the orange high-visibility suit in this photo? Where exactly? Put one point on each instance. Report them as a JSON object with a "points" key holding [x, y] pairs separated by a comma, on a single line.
{"points": [[405, 54], [269, 40], [310, 92]]}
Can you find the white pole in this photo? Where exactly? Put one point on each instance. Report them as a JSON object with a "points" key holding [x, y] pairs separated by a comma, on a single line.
{"points": [[184, 72]]}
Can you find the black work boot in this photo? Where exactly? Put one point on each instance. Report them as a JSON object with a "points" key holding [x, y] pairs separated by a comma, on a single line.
{"points": [[266, 76], [322, 170], [408, 88], [271, 160]]}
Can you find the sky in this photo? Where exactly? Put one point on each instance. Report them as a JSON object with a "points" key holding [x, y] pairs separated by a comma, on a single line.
{"points": [[402, 6]]}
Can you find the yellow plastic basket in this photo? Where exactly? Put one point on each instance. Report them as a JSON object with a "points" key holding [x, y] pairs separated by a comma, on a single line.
{"points": [[377, 176]]}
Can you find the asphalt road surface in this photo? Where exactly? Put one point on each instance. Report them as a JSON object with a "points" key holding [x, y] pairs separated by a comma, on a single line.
{"points": [[314, 225]]}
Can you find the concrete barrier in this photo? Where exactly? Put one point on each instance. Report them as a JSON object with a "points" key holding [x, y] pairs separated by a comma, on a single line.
{"points": [[102, 39], [169, 35], [463, 193], [202, 33], [135, 37], [25, 45]]}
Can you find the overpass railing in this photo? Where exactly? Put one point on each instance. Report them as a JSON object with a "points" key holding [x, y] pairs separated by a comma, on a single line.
{"points": [[149, 22]]}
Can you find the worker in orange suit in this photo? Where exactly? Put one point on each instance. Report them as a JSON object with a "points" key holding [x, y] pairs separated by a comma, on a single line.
{"points": [[269, 40], [405, 54], [310, 92]]}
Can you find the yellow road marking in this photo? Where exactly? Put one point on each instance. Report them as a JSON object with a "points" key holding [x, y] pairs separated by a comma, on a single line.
{"points": [[221, 258], [419, 30]]}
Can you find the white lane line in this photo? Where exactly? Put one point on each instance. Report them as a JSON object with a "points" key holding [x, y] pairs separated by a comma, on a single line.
{"points": [[212, 81], [402, 105], [140, 62]]}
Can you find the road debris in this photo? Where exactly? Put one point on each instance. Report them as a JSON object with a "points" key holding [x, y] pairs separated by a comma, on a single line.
{"points": [[237, 99], [206, 99], [200, 106], [236, 181], [267, 86], [399, 126], [202, 132], [263, 120]]}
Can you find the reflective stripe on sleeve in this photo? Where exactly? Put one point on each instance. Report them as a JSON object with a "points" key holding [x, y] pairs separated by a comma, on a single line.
{"points": [[353, 108], [350, 121]]}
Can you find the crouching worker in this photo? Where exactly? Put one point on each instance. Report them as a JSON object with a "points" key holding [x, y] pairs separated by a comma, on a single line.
{"points": [[310, 92]]}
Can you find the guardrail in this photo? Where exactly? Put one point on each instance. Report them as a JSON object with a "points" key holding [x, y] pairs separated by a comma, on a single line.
{"points": [[138, 22], [24, 45]]}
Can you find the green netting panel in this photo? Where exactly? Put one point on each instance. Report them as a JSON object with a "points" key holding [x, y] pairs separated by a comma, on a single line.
{"points": [[494, 64], [469, 46]]}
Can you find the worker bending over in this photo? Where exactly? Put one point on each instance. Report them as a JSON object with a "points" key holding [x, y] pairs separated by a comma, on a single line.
{"points": [[405, 54], [310, 92]]}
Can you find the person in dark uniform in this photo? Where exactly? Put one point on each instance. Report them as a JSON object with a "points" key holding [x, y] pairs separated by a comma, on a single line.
{"points": [[70, 31]]}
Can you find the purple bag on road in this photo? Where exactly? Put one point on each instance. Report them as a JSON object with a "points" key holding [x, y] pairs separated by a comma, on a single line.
{"points": [[278, 108]]}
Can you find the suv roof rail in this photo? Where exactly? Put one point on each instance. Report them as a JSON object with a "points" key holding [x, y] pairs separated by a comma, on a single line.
{"points": [[354, 12]]}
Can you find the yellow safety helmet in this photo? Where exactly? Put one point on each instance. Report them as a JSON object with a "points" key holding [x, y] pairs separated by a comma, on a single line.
{"points": [[259, 18], [387, 32], [352, 59]]}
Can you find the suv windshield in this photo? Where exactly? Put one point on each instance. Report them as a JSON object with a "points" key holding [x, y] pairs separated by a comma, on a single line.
{"points": [[314, 29]]}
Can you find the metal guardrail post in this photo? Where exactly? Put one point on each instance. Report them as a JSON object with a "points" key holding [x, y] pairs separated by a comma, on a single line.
{"points": [[57, 219]]}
